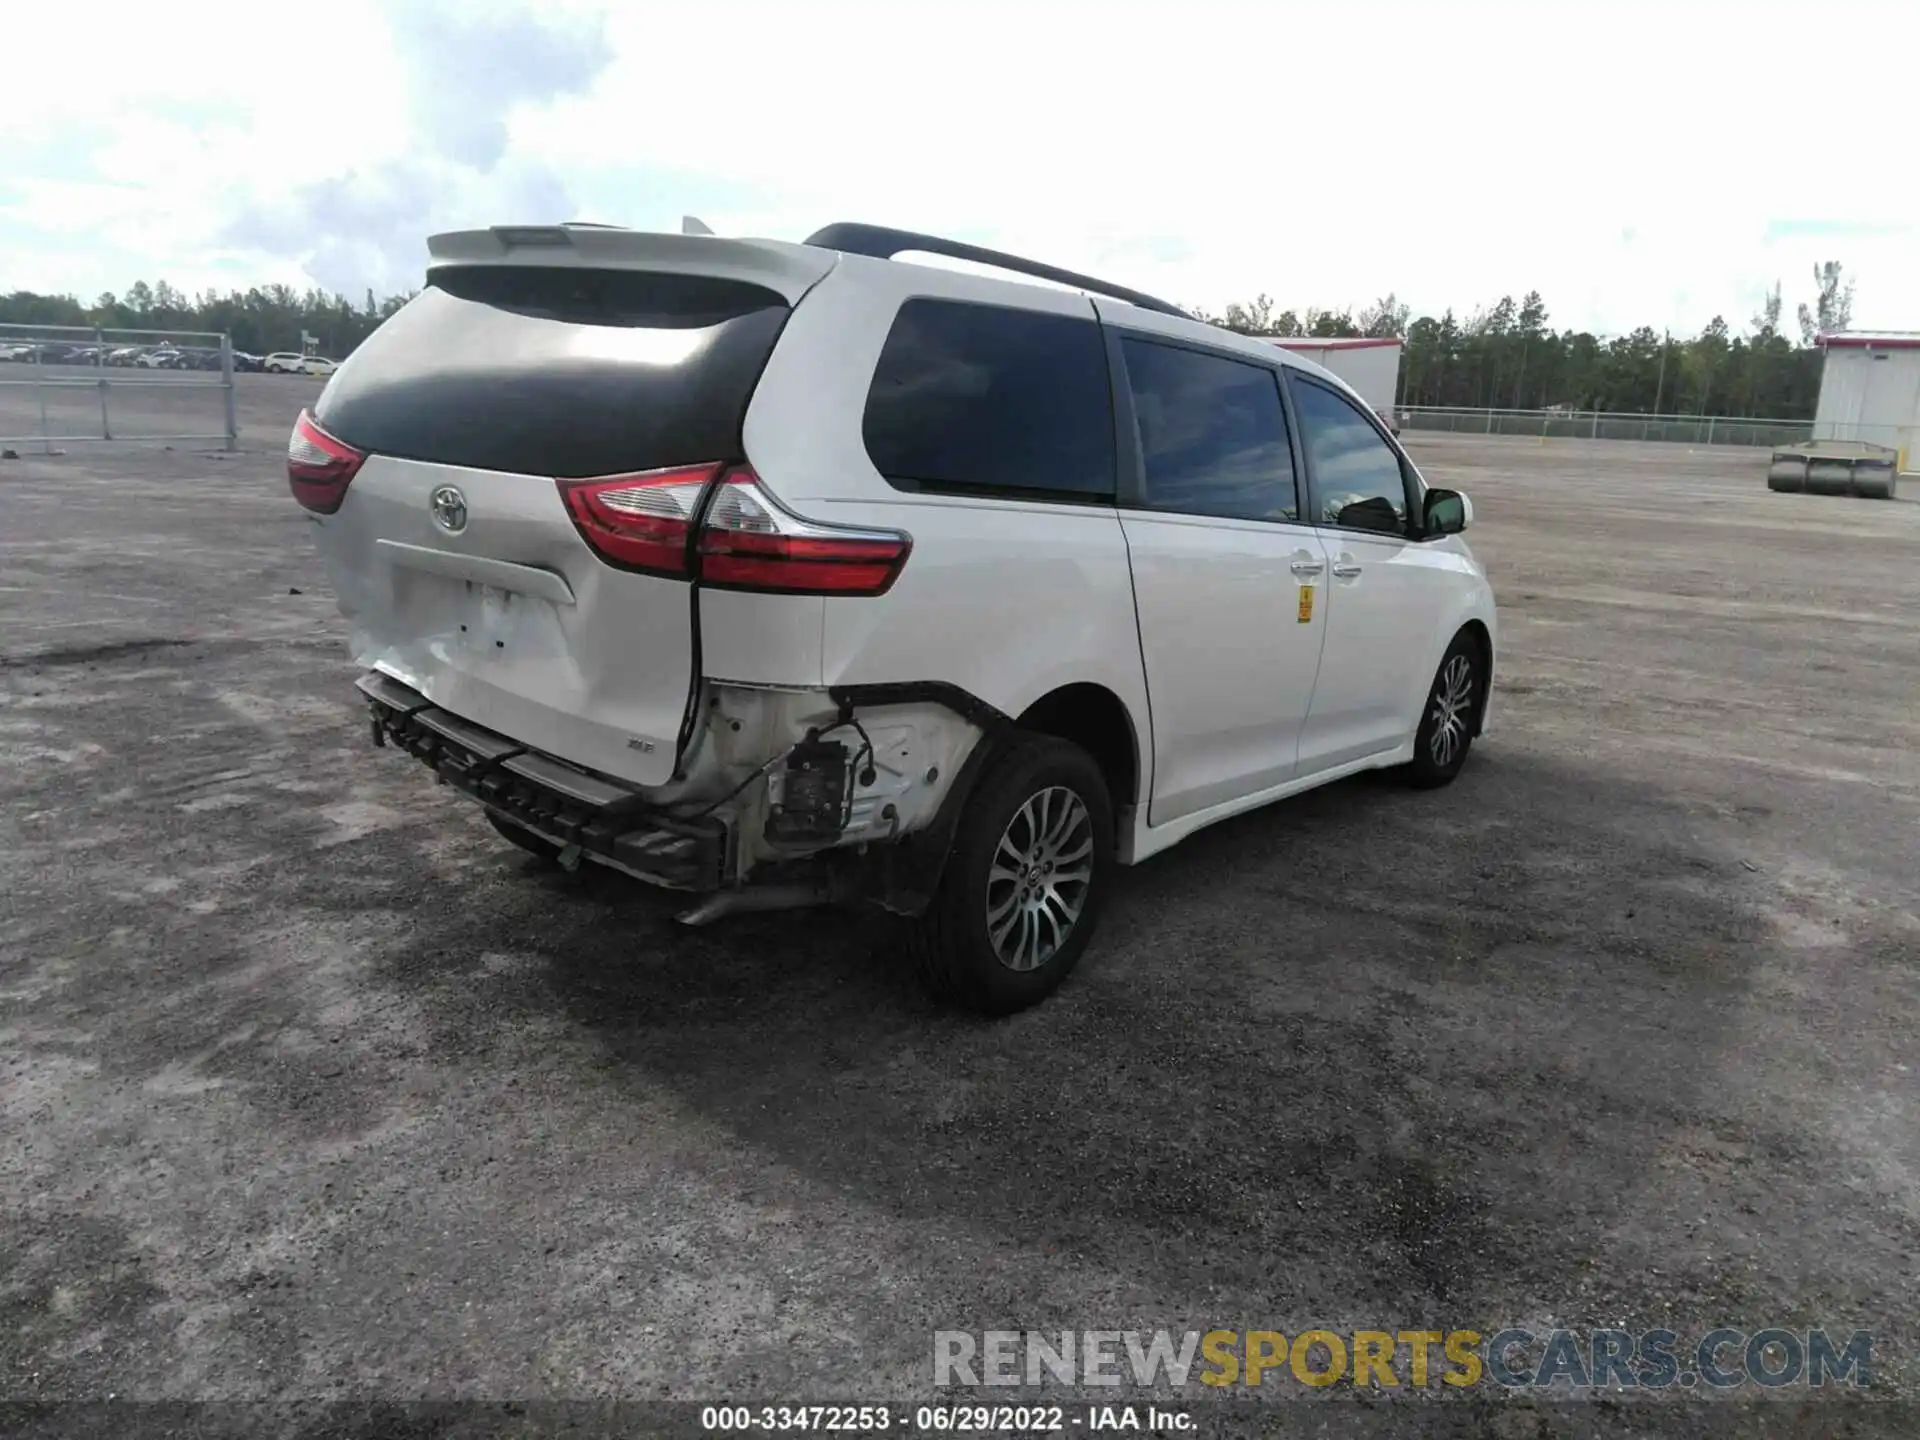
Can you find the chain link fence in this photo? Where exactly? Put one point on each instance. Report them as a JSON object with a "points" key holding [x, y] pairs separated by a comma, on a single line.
{"points": [[1609, 425], [71, 384]]}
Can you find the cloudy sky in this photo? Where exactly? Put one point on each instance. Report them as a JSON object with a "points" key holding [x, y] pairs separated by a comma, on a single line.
{"points": [[1635, 163]]}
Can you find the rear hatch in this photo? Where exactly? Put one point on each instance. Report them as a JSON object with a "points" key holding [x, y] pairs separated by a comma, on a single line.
{"points": [[442, 468]]}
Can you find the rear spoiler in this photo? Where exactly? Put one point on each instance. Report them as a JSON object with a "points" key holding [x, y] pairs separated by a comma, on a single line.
{"points": [[789, 269]]}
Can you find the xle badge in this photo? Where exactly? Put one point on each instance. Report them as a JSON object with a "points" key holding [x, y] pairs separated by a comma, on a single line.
{"points": [[1306, 603]]}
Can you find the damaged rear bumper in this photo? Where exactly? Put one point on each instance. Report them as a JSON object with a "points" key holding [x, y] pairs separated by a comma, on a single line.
{"points": [[609, 822]]}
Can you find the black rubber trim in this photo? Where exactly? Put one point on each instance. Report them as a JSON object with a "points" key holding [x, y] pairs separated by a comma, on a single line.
{"points": [[483, 744], [882, 242], [547, 796], [963, 703], [574, 785], [401, 699]]}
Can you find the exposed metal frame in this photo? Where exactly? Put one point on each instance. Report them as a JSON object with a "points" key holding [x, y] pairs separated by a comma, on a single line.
{"points": [[882, 242]]}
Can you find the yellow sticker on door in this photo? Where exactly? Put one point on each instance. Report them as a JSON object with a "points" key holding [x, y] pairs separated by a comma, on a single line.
{"points": [[1306, 603]]}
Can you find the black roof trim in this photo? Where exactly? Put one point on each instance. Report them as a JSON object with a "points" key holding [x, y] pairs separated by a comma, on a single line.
{"points": [[883, 243]]}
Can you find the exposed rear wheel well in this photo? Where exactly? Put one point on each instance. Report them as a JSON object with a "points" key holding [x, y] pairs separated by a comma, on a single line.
{"points": [[1092, 717], [1476, 634]]}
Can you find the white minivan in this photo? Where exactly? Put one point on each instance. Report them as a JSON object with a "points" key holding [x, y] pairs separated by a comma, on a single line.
{"points": [[787, 573]]}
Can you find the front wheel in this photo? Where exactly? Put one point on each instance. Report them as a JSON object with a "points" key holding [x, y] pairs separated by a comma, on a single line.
{"points": [[1024, 884], [1447, 722]]}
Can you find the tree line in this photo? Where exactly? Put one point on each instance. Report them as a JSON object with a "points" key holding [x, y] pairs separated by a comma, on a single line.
{"points": [[1506, 355], [260, 320]]}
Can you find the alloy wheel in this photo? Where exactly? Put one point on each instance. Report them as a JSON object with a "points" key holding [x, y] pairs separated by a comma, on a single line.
{"points": [[1041, 875], [1452, 708]]}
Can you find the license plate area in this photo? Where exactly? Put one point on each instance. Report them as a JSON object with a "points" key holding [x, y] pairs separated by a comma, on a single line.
{"points": [[472, 622], [492, 620]]}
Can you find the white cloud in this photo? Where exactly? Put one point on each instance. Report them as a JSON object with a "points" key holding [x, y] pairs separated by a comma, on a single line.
{"points": [[1625, 160]]}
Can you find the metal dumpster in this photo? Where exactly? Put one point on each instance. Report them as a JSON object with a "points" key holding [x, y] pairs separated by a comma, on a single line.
{"points": [[1835, 467]]}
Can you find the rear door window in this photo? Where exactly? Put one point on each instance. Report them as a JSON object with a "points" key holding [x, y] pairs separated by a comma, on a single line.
{"points": [[544, 370], [1213, 434], [992, 400]]}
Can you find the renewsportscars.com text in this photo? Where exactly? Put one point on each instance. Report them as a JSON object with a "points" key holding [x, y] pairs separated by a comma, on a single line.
{"points": [[1512, 1358]]}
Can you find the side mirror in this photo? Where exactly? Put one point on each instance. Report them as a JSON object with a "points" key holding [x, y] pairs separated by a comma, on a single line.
{"points": [[1448, 512]]}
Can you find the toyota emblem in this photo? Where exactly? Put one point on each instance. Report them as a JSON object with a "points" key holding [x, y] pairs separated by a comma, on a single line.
{"points": [[449, 509]]}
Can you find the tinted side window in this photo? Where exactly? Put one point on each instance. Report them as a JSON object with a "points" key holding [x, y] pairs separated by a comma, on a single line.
{"points": [[1356, 474], [1213, 435], [984, 398]]}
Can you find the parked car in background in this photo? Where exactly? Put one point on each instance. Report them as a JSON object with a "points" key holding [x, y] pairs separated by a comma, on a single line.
{"points": [[318, 365], [283, 362], [161, 357], [867, 580], [250, 363], [124, 355], [49, 352]]}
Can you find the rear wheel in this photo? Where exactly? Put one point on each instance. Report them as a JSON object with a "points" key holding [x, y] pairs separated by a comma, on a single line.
{"points": [[1446, 723], [1023, 887]]}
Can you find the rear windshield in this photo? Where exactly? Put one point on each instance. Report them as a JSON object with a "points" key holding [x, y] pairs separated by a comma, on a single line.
{"points": [[564, 372]]}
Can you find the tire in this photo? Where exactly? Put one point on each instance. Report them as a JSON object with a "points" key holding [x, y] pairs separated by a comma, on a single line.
{"points": [[1788, 475], [544, 850], [1829, 477], [1445, 736], [1058, 787]]}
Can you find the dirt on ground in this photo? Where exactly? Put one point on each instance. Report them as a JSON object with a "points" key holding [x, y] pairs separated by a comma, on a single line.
{"points": [[312, 1088]]}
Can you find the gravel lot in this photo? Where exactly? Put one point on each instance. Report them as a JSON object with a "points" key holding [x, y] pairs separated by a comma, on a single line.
{"points": [[310, 1087]]}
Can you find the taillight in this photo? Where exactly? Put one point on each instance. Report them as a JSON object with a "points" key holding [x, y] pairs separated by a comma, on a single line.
{"points": [[639, 522], [319, 467], [747, 541], [750, 543]]}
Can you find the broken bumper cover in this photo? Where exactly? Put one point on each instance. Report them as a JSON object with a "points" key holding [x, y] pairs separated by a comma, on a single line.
{"points": [[608, 821]]}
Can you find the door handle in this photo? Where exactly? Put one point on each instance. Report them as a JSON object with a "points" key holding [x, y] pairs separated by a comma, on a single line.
{"points": [[1307, 567], [1345, 569]]}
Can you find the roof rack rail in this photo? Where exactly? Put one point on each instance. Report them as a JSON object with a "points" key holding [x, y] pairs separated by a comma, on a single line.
{"points": [[883, 243]]}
